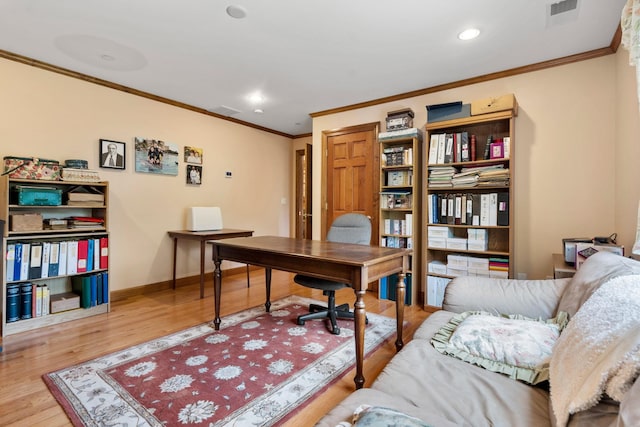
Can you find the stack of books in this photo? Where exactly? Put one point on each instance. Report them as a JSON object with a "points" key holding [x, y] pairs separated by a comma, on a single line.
{"points": [[441, 176], [85, 222], [494, 178]]}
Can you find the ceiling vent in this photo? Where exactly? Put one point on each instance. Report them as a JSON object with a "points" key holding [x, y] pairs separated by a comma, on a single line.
{"points": [[225, 111], [562, 12]]}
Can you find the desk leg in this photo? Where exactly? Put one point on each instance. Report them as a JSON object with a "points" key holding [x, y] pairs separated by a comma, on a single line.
{"points": [[217, 291], [175, 250], [267, 277], [248, 283], [202, 249], [360, 320], [400, 293]]}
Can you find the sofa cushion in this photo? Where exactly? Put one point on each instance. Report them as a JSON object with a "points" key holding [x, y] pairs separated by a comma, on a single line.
{"points": [[514, 345], [599, 351], [462, 393], [595, 271]]}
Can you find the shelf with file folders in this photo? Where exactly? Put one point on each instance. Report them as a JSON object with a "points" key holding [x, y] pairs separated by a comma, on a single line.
{"points": [[42, 259], [487, 208], [37, 301], [465, 147], [486, 240]]}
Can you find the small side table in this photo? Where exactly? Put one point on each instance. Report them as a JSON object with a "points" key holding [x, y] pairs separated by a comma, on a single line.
{"points": [[202, 237], [561, 269]]}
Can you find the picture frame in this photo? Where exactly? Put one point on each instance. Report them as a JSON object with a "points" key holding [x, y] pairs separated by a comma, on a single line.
{"points": [[194, 174], [112, 154], [156, 156]]}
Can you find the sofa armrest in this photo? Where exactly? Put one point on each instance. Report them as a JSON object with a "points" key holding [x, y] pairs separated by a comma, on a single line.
{"points": [[531, 298]]}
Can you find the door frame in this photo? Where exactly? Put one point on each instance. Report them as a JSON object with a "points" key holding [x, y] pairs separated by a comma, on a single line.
{"points": [[303, 207], [326, 134]]}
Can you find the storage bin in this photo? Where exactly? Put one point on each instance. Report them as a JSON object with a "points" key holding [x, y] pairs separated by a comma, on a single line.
{"points": [[32, 168], [25, 195], [28, 221]]}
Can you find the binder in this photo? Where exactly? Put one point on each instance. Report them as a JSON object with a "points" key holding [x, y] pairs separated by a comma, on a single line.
{"points": [[104, 252], [26, 296], [72, 257], [448, 154], [442, 203], [46, 300], [81, 285], [62, 258], [46, 255], [476, 208], [450, 209], [93, 283], [38, 304], [24, 264], [457, 218], [54, 254], [17, 262], [469, 209], [13, 302], [90, 265], [35, 261], [99, 294], [465, 152], [493, 209], [484, 210], [105, 287], [10, 261], [458, 144], [503, 208], [83, 251], [433, 149], [442, 144], [96, 254]]}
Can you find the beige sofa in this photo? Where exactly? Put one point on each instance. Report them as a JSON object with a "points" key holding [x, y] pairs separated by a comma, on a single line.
{"points": [[444, 391]]}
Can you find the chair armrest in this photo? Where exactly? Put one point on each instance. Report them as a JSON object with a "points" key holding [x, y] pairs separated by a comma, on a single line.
{"points": [[531, 298]]}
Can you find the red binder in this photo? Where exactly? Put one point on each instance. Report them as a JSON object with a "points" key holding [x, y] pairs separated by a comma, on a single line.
{"points": [[83, 250], [104, 252]]}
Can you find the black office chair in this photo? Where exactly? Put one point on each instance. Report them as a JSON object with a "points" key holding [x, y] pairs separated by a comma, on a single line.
{"points": [[347, 228]]}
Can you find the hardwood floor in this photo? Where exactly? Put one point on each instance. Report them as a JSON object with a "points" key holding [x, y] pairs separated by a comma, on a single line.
{"points": [[25, 399]]}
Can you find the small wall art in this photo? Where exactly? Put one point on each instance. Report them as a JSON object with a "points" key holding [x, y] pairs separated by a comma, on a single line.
{"points": [[112, 154], [194, 175], [193, 155], [156, 156]]}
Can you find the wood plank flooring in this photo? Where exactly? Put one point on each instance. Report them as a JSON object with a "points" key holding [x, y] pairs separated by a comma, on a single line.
{"points": [[25, 399]]}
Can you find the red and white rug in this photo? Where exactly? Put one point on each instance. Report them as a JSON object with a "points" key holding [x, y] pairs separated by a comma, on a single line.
{"points": [[257, 370]]}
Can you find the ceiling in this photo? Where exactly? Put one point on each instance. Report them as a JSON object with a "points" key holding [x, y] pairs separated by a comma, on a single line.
{"points": [[303, 57]]}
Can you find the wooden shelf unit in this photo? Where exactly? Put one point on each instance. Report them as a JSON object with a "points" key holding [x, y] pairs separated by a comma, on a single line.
{"points": [[59, 283], [500, 239], [400, 203]]}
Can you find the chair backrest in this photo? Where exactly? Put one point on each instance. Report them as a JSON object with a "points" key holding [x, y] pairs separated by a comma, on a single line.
{"points": [[351, 228]]}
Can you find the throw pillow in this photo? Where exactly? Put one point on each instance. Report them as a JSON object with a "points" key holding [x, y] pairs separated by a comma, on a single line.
{"points": [[514, 345], [377, 416]]}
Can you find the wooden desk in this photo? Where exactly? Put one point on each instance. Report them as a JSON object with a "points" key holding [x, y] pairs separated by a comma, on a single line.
{"points": [[357, 265], [202, 237]]}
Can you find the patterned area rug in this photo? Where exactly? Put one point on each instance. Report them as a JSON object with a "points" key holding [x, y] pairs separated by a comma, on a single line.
{"points": [[257, 370]]}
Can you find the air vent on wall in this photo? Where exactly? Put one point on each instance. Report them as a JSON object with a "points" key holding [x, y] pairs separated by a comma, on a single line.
{"points": [[561, 12], [225, 111]]}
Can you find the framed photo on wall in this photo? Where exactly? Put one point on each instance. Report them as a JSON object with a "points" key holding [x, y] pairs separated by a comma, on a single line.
{"points": [[112, 154]]}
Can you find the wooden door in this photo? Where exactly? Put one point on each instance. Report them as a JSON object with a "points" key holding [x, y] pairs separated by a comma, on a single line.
{"points": [[352, 174], [303, 193]]}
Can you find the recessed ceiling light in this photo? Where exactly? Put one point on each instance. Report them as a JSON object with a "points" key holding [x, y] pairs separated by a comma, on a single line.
{"points": [[107, 57], [469, 33], [237, 12], [258, 111], [256, 98]]}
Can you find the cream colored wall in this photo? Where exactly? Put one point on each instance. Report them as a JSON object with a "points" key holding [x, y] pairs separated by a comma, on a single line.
{"points": [[565, 177], [52, 116], [627, 190]]}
